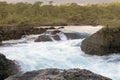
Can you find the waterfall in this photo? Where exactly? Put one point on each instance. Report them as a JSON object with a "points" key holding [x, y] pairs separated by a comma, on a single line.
{"points": [[62, 36]]}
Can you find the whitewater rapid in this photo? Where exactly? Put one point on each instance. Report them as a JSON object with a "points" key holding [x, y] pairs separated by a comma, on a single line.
{"points": [[59, 54]]}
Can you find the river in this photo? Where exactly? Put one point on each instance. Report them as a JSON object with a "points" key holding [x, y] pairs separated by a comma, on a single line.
{"points": [[62, 54]]}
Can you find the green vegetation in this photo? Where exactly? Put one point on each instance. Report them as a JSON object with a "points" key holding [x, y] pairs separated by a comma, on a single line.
{"points": [[71, 14]]}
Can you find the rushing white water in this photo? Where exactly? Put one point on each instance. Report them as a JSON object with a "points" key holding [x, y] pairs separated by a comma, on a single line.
{"points": [[62, 36], [60, 54]]}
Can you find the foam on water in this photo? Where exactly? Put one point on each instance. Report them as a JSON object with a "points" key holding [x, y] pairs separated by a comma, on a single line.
{"points": [[62, 36], [61, 54], [24, 39]]}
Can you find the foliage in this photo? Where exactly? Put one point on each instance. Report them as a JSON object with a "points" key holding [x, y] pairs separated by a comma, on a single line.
{"points": [[71, 13]]}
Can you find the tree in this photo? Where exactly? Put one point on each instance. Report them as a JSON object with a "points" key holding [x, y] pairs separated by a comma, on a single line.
{"points": [[50, 2], [38, 3]]}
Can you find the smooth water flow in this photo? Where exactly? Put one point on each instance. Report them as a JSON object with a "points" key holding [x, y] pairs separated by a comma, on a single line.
{"points": [[60, 54]]}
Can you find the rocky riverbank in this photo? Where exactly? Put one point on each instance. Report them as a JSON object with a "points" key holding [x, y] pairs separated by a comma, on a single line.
{"points": [[50, 74], [13, 32], [58, 74], [104, 42], [7, 67], [9, 70], [17, 32]]}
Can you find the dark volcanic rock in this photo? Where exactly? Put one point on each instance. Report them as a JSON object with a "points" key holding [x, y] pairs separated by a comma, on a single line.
{"points": [[56, 37], [104, 42], [48, 36], [43, 38], [13, 32], [7, 67], [58, 74], [55, 32]]}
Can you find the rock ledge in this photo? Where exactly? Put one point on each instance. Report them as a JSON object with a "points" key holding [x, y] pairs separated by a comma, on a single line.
{"points": [[58, 74]]}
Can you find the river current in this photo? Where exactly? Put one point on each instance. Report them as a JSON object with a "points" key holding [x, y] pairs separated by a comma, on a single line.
{"points": [[62, 54]]}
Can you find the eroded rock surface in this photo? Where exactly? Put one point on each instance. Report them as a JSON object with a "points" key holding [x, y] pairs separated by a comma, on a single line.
{"points": [[13, 32], [58, 74], [43, 38], [7, 67], [104, 42]]}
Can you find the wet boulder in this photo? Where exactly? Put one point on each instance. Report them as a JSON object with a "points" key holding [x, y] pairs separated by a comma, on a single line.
{"points": [[43, 38], [59, 74], [55, 32], [56, 37], [49, 36], [7, 67], [104, 42]]}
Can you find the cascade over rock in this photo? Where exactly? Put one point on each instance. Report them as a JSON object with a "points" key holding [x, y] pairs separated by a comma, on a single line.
{"points": [[60, 35]]}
